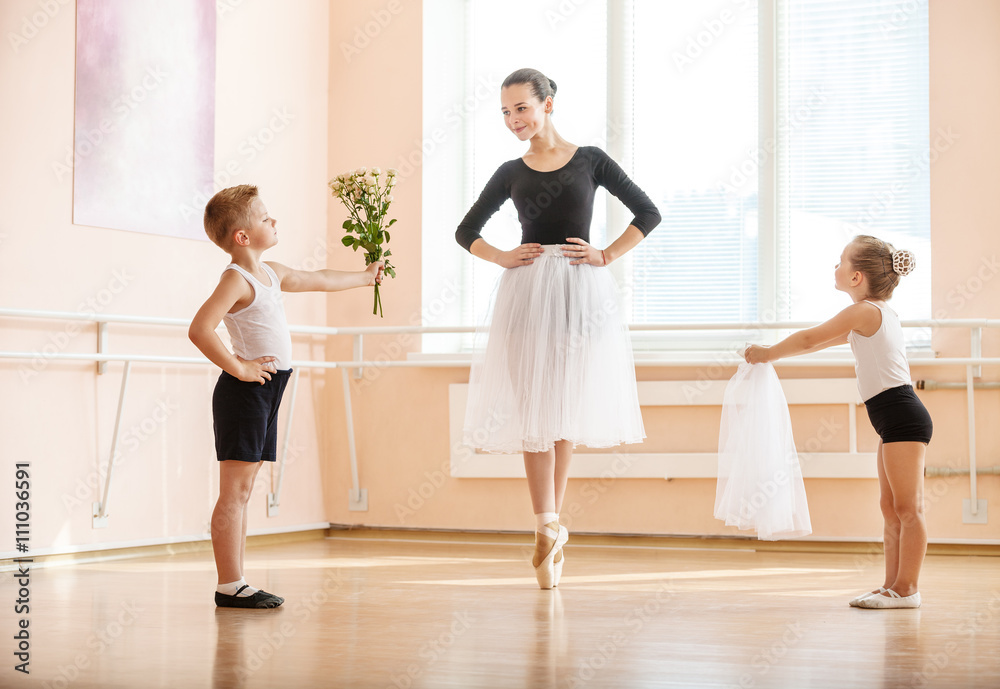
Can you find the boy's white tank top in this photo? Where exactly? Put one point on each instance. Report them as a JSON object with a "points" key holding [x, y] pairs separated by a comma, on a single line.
{"points": [[881, 358], [261, 329]]}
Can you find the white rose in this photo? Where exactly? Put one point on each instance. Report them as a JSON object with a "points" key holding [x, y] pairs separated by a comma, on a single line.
{"points": [[360, 172], [376, 171], [392, 172], [389, 198], [371, 190]]}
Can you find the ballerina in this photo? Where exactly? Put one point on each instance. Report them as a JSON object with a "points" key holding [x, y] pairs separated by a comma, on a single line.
{"points": [[557, 368]]}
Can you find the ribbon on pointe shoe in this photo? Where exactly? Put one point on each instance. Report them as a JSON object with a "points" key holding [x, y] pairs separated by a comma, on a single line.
{"points": [[545, 572]]}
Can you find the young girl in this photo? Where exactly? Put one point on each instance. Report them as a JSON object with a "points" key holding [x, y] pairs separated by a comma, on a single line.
{"points": [[869, 271], [557, 368]]}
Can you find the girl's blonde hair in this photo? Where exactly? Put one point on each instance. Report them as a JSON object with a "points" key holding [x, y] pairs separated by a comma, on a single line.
{"points": [[881, 264]]}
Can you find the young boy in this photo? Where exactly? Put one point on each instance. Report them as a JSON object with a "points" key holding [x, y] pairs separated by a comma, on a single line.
{"points": [[246, 398]]}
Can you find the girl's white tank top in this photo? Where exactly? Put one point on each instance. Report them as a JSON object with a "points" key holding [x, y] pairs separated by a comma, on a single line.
{"points": [[881, 358]]}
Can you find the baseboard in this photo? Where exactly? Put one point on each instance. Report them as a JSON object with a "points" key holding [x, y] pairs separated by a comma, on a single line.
{"points": [[128, 551], [629, 540], [515, 538]]}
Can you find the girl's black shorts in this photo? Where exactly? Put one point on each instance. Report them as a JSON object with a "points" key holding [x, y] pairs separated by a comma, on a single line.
{"points": [[899, 416]]}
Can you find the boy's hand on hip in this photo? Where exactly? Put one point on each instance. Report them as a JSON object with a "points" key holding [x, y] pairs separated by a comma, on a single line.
{"points": [[257, 370]]}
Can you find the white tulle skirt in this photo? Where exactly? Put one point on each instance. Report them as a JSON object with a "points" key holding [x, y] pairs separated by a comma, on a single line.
{"points": [[553, 362], [760, 482]]}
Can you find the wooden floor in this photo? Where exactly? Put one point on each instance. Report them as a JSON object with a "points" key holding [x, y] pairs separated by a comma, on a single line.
{"points": [[378, 612]]}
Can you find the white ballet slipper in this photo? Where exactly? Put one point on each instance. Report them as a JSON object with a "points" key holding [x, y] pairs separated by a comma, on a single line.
{"points": [[890, 599], [545, 572], [854, 601]]}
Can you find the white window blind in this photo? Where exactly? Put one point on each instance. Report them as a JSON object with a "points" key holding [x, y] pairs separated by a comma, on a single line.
{"points": [[853, 125], [694, 143]]}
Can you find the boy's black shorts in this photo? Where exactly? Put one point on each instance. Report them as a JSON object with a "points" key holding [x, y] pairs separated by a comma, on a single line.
{"points": [[245, 417]]}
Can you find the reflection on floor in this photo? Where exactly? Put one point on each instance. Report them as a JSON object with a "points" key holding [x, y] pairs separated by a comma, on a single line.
{"points": [[376, 612]]}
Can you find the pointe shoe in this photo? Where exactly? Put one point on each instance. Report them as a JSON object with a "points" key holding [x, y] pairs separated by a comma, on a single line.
{"points": [[545, 572], [890, 599], [558, 566], [854, 601]]}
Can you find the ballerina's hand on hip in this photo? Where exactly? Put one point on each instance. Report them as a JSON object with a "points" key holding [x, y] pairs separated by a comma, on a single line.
{"points": [[584, 253]]}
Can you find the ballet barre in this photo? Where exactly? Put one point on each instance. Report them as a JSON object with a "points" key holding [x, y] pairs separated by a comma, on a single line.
{"points": [[974, 510]]}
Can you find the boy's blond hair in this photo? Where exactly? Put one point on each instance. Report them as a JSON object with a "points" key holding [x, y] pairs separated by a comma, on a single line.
{"points": [[227, 211]]}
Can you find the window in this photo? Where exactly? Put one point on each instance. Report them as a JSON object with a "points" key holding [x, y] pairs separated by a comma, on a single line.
{"points": [[768, 133]]}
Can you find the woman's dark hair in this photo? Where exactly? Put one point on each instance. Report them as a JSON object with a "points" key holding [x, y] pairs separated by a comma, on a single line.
{"points": [[541, 86]]}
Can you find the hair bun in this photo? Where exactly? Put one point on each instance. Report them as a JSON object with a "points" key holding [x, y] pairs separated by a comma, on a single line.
{"points": [[553, 85], [903, 262]]}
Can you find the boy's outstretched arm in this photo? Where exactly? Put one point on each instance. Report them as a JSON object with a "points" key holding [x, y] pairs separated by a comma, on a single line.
{"points": [[232, 288], [858, 316], [326, 280]]}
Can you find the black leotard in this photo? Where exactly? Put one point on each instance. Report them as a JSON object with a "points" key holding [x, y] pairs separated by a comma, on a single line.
{"points": [[552, 206]]}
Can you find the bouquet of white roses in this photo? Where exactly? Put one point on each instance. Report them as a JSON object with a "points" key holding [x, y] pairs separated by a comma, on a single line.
{"points": [[367, 193]]}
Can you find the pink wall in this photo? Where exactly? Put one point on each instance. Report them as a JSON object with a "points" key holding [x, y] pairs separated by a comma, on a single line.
{"points": [[61, 416]]}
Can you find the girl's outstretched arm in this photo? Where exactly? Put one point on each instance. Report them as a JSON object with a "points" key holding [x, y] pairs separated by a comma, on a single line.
{"points": [[860, 316]]}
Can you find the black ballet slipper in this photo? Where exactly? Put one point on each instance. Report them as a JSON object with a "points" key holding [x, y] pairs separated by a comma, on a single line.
{"points": [[261, 599], [277, 598]]}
